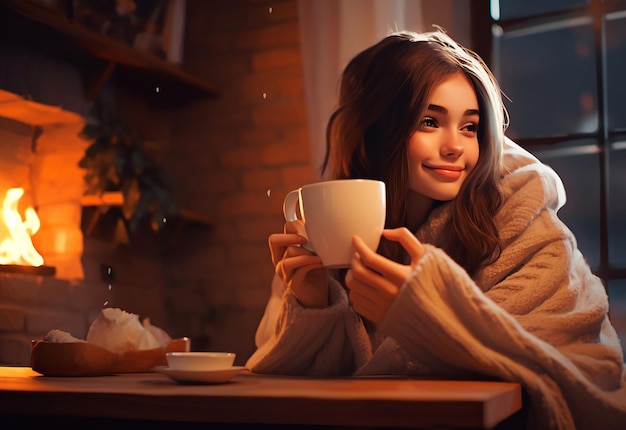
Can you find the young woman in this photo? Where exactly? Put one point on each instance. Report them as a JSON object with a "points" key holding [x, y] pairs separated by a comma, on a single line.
{"points": [[475, 276]]}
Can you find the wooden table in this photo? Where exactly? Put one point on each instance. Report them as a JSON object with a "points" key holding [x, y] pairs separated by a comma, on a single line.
{"points": [[257, 399]]}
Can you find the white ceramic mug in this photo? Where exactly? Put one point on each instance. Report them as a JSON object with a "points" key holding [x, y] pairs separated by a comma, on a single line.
{"points": [[334, 211]]}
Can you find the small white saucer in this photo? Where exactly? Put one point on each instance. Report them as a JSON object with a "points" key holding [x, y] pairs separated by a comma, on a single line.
{"points": [[200, 377]]}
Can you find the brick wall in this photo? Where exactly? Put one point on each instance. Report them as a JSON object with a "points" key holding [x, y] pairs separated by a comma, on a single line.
{"points": [[30, 306], [233, 159], [236, 157]]}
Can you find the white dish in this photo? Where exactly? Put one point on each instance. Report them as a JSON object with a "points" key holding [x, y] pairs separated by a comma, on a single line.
{"points": [[199, 361], [198, 377]]}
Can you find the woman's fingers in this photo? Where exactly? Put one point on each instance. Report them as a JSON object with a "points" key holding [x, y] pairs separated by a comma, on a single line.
{"points": [[370, 293], [373, 280], [292, 236], [291, 261], [394, 272], [300, 269], [279, 242], [304, 274], [296, 258], [409, 242]]}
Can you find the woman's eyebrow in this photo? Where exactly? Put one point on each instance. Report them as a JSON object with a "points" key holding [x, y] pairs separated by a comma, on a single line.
{"points": [[438, 108], [444, 111]]}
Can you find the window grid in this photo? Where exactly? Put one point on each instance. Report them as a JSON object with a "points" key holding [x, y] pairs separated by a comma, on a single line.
{"points": [[596, 10]]}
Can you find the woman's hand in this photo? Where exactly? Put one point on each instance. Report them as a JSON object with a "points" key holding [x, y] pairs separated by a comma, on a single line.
{"points": [[301, 270], [373, 280]]}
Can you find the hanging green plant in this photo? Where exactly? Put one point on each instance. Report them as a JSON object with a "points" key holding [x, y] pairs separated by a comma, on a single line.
{"points": [[116, 161]]}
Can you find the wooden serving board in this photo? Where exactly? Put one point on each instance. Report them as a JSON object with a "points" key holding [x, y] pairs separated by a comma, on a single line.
{"points": [[87, 359]]}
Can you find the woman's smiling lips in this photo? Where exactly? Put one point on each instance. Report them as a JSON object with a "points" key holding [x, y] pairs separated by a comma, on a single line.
{"points": [[448, 172]]}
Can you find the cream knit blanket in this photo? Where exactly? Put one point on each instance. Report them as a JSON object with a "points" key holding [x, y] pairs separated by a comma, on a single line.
{"points": [[537, 316]]}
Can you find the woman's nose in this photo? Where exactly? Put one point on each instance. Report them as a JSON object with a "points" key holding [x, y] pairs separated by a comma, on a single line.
{"points": [[451, 145]]}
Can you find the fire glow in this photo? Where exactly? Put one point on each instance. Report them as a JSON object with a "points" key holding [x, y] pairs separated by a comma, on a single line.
{"points": [[16, 246]]}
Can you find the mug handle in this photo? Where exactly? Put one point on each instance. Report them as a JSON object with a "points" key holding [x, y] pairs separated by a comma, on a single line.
{"points": [[292, 199], [289, 205]]}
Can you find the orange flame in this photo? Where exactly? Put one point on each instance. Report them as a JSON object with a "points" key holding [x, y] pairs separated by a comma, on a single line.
{"points": [[16, 246]]}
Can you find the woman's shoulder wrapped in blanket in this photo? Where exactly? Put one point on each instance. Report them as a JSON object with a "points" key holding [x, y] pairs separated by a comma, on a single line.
{"points": [[537, 316]]}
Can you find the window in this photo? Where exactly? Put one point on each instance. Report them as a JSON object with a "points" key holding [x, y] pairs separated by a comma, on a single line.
{"points": [[562, 65]]}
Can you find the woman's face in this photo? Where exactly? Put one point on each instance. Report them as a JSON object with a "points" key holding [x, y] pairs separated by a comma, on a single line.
{"points": [[444, 149]]}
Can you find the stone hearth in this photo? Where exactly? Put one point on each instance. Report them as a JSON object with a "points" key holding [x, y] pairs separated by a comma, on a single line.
{"points": [[40, 148]]}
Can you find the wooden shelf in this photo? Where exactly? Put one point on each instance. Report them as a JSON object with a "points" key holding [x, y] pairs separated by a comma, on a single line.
{"points": [[100, 58], [111, 198], [101, 204]]}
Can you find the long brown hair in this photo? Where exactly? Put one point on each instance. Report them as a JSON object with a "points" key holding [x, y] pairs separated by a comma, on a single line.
{"points": [[383, 92]]}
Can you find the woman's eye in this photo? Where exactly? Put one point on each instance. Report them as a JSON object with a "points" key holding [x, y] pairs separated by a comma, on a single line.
{"points": [[429, 122], [472, 128]]}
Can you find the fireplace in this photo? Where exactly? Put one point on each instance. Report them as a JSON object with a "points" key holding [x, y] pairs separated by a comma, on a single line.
{"points": [[40, 146]]}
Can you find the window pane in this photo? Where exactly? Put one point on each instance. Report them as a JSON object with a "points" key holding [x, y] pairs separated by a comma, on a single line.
{"points": [[548, 72], [616, 69], [616, 290], [506, 9], [578, 165], [617, 204]]}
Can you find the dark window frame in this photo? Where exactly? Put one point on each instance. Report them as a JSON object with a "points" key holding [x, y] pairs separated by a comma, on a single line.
{"points": [[481, 43]]}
